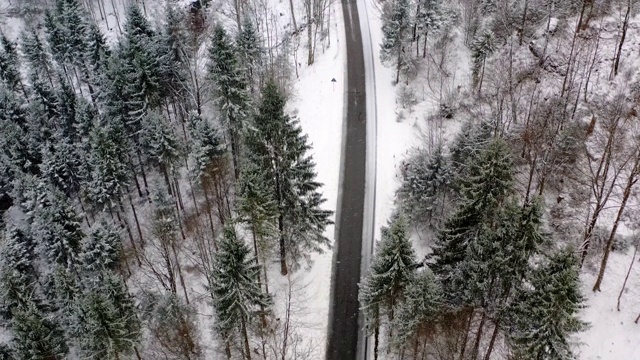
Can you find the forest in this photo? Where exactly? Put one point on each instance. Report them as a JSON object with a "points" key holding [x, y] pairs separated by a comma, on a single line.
{"points": [[160, 197]]}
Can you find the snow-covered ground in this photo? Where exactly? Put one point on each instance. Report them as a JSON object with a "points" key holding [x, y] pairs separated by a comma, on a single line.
{"points": [[612, 334]]}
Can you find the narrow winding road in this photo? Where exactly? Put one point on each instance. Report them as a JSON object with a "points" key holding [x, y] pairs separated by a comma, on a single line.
{"points": [[344, 322]]}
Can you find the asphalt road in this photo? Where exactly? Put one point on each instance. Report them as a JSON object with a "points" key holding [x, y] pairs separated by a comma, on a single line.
{"points": [[344, 309]]}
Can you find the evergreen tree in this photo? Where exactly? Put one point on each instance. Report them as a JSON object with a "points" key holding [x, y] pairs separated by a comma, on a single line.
{"points": [[101, 250], [419, 311], [110, 175], [426, 181], [105, 323], [9, 65], [230, 89], [482, 47], [236, 290], [140, 67], [174, 61], [474, 224], [161, 145], [207, 144], [278, 149], [250, 53], [40, 66], [391, 271], [256, 207], [17, 271], [35, 336], [97, 56], [57, 228], [62, 164], [395, 33], [545, 313]]}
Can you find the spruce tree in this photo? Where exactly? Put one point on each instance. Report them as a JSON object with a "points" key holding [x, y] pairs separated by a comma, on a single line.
{"points": [[278, 149], [36, 336], [236, 290], [391, 271], [172, 47], [482, 47], [474, 224], [110, 175], [105, 323], [62, 164], [136, 87], [18, 274], [250, 53], [40, 66], [161, 145], [230, 90], [57, 228], [545, 314], [101, 250], [9, 65], [426, 181], [395, 33], [419, 311]]}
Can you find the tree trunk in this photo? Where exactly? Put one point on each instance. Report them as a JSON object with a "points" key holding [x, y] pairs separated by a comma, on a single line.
{"points": [[625, 26], [247, 349], [466, 335], [206, 198], [135, 177], [627, 192], [476, 344], [376, 341], [633, 260], [487, 356], [283, 248], [135, 217], [310, 23], [293, 17], [524, 20]]}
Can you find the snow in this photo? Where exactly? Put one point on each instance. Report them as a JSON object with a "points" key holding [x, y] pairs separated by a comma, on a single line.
{"points": [[612, 334]]}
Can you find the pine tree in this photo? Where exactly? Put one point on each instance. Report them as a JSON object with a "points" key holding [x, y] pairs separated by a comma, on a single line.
{"points": [[17, 271], [135, 75], [419, 311], [250, 53], [174, 61], [429, 19], [110, 176], [62, 164], [279, 149], [391, 271], [57, 228], [161, 145], [482, 47], [9, 65], [426, 181], [36, 336], [395, 33], [40, 66], [257, 207], [96, 56], [474, 224], [545, 313], [101, 250], [105, 322], [230, 90], [236, 290]]}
